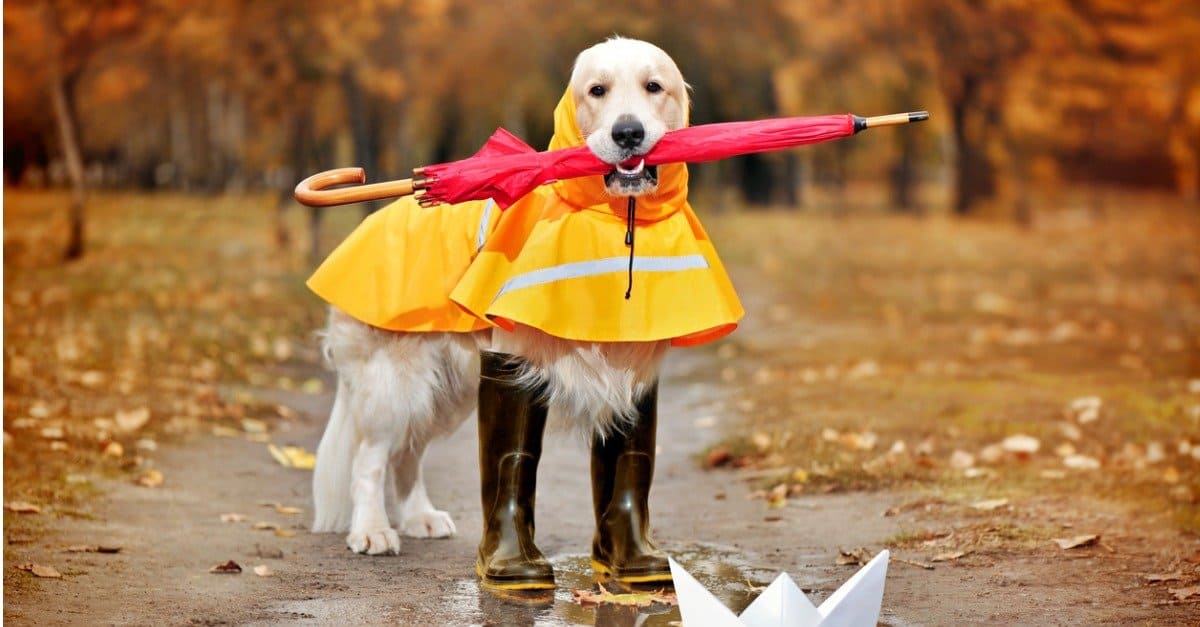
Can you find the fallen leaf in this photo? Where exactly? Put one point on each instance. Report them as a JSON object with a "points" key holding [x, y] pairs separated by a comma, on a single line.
{"points": [[961, 460], [912, 563], [948, 557], [284, 533], [222, 431], [114, 449], [286, 509], [233, 518], [228, 568], [91, 378], [262, 570], [312, 386], [1021, 444], [777, 497], [53, 433], [40, 570], [132, 420], [263, 525], [252, 425], [151, 479], [853, 556], [718, 457], [21, 507], [989, 504], [591, 598], [1184, 593], [292, 456], [269, 552], [1175, 576], [1081, 462], [1077, 541], [92, 548]]}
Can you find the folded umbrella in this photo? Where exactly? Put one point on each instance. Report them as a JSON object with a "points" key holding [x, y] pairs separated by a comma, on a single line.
{"points": [[506, 168]]}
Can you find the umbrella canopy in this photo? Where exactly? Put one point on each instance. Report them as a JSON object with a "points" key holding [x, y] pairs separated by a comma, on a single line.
{"points": [[506, 168]]}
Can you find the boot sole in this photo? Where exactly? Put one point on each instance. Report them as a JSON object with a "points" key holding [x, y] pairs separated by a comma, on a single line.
{"points": [[605, 571], [519, 584]]}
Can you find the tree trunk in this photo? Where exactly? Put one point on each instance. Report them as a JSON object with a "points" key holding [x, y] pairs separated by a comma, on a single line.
{"points": [[901, 173], [974, 174], [62, 93], [365, 144]]}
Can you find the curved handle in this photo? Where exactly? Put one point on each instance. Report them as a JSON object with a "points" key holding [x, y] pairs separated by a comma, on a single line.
{"points": [[313, 191]]}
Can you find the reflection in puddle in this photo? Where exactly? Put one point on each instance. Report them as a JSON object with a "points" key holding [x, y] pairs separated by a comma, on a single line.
{"points": [[724, 570]]}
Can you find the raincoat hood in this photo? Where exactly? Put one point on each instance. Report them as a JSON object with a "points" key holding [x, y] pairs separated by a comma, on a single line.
{"points": [[589, 191]]}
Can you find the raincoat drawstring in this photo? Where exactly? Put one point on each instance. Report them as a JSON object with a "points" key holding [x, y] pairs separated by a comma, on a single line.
{"points": [[629, 242]]}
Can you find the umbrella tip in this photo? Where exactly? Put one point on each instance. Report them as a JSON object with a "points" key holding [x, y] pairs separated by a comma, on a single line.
{"points": [[918, 116]]}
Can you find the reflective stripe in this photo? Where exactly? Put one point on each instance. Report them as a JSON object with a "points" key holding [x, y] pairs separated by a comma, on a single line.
{"points": [[481, 236], [601, 266]]}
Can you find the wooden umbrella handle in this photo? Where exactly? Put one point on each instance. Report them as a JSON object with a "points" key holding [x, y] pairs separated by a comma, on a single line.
{"points": [[313, 191]]}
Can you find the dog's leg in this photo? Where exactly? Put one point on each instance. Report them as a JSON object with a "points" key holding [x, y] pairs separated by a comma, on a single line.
{"points": [[369, 529], [414, 513]]}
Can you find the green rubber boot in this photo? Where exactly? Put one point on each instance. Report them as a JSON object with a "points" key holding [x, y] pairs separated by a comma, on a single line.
{"points": [[622, 469], [511, 421]]}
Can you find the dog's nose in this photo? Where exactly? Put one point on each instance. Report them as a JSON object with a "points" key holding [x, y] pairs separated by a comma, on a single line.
{"points": [[628, 132]]}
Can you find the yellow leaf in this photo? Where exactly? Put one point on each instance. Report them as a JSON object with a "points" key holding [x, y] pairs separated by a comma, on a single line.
{"points": [[284, 533], [151, 479], [286, 509]]}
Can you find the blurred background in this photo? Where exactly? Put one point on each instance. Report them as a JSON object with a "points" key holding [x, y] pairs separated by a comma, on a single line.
{"points": [[227, 95]]}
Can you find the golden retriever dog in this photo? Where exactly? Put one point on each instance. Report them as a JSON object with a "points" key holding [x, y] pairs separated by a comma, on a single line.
{"points": [[397, 390]]}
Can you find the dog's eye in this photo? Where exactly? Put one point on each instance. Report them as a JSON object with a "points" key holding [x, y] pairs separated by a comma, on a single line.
{"points": [[653, 87], [597, 91]]}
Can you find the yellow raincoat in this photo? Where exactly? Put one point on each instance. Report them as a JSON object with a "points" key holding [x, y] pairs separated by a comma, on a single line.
{"points": [[396, 270], [558, 262]]}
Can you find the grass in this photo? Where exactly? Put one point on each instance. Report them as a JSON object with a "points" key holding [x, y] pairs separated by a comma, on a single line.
{"points": [[923, 337]]}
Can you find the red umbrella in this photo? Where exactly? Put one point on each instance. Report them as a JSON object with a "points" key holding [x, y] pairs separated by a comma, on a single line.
{"points": [[507, 168]]}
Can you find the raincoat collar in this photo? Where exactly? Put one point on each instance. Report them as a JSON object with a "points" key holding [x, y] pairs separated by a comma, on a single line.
{"points": [[588, 192]]}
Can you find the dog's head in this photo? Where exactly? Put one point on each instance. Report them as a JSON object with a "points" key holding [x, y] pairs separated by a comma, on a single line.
{"points": [[627, 94]]}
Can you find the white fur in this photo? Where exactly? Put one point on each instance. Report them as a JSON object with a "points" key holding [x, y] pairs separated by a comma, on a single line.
{"points": [[398, 391]]}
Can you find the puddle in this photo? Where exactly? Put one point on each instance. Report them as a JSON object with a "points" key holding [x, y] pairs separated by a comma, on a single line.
{"points": [[724, 570]]}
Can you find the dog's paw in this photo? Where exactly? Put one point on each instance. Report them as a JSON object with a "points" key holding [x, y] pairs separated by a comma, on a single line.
{"points": [[374, 542], [433, 523]]}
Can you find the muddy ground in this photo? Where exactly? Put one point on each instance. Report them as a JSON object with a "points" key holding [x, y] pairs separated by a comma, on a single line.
{"points": [[716, 521]]}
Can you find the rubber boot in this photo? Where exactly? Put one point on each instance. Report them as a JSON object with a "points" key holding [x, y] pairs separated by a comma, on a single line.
{"points": [[511, 421], [622, 469]]}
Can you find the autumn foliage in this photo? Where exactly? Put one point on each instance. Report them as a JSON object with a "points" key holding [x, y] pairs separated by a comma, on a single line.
{"points": [[230, 94]]}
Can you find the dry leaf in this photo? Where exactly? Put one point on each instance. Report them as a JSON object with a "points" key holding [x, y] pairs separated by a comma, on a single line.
{"points": [[1077, 541], [252, 425], [1175, 576], [591, 598], [292, 456], [1021, 444], [262, 570], [132, 420], [92, 378], [92, 548], [263, 525], [114, 449], [21, 507], [151, 479], [948, 557], [1081, 462], [1182, 594], [222, 431], [989, 504], [233, 518], [53, 433], [286, 509], [961, 460], [312, 386], [857, 556], [40, 570], [284, 533], [228, 568]]}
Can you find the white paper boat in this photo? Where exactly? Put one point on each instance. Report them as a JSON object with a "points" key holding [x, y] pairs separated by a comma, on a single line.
{"points": [[783, 604]]}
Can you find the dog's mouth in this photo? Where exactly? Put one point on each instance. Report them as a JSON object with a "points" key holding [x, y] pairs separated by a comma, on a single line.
{"points": [[632, 177]]}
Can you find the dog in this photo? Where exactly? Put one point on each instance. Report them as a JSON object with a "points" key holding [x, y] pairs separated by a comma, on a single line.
{"points": [[397, 391]]}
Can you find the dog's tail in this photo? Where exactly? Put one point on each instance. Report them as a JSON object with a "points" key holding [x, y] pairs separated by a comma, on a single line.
{"points": [[331, 476]]}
